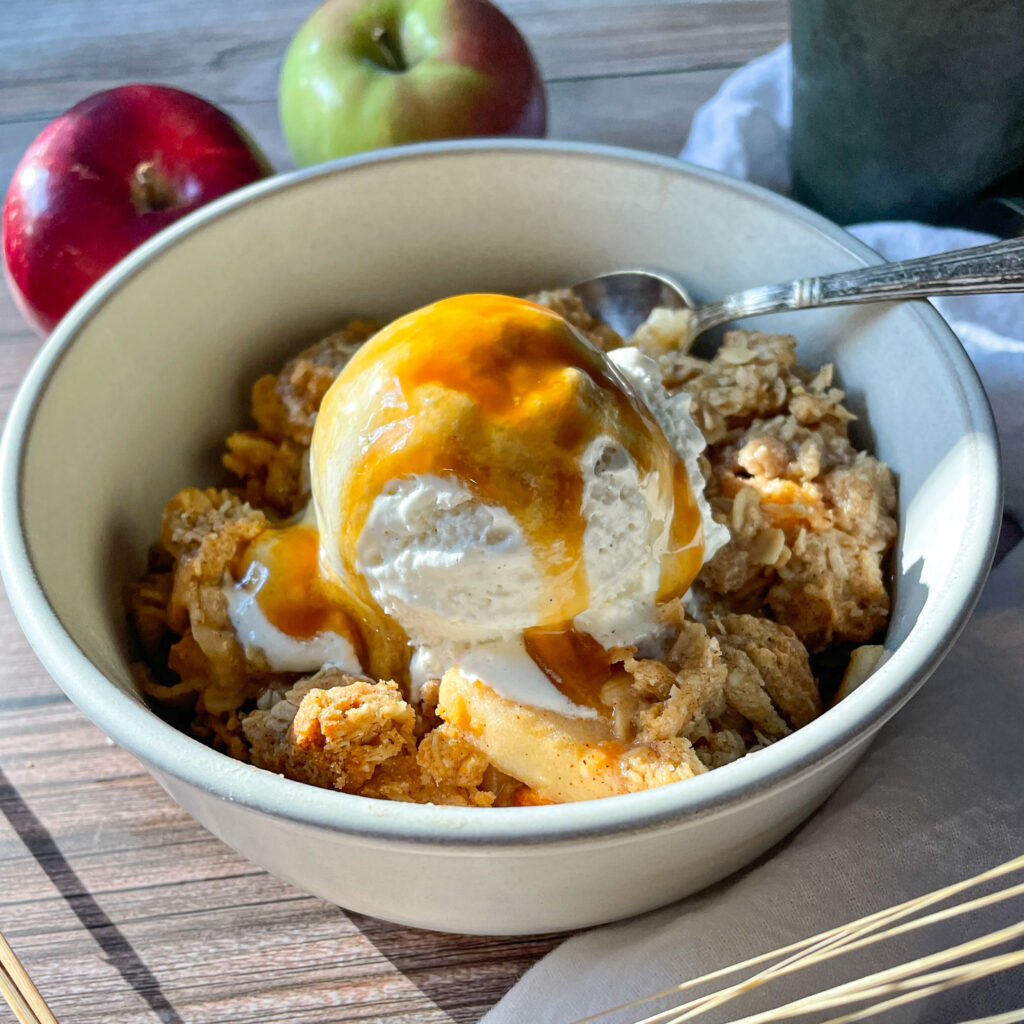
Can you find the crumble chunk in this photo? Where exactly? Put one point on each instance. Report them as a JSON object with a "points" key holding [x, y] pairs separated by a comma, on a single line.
{"points": [[271, 460], [674, 697], [659, 763], [772, 658], [444, 770], [727, 686], [204, 534], [811, 517], [748, 378], [332, 730], [339, 731]]}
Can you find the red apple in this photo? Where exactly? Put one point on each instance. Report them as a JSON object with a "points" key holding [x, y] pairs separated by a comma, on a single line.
{"points": [[105, 176], [361, 74]]}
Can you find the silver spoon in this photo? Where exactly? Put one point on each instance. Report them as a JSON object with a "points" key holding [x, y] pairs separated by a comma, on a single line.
{"points": [[624, 299]]}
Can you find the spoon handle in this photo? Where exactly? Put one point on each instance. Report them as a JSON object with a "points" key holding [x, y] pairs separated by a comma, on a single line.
{"points": [[996, 267]]}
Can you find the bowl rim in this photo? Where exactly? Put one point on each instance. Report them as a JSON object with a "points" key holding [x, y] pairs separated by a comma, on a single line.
{"points": [[164, 749]]}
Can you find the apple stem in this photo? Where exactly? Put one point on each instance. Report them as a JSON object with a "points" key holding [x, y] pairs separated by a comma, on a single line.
{"points": [[150, 189], [390, 52]]}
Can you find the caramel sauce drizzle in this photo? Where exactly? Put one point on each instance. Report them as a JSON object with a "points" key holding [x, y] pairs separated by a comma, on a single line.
{"points": [[504, 396], [573, 660]]}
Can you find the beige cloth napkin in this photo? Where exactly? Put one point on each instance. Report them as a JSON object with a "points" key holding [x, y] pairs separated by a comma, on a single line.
{"points": [[938, 797]]}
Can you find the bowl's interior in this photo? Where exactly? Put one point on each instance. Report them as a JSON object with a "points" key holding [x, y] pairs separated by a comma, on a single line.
{"points": [[159, 372]]}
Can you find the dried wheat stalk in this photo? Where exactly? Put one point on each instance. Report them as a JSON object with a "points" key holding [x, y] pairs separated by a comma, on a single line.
{"points": [[19, 991], [888, 988]]}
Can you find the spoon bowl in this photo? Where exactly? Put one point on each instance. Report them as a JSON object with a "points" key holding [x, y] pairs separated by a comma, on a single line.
{"points": [[624, 299]]}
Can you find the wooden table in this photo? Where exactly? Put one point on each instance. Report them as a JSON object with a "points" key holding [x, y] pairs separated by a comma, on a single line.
{"points": [[120, 905]]}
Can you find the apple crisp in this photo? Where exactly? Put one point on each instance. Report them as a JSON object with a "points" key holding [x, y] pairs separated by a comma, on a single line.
{"points": [[810, 517]]}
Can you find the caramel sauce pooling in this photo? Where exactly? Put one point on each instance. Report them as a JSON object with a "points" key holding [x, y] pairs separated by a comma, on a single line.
{"points": [[295, 596]]}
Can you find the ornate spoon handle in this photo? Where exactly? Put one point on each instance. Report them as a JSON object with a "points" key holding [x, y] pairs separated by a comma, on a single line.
{"points": [[997, 267]]}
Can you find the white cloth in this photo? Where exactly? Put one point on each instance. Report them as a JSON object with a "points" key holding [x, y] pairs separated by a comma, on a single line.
{"points": [[939, 795]]}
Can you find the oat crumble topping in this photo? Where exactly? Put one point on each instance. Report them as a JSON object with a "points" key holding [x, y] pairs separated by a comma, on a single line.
{"points": [[811, 520]]}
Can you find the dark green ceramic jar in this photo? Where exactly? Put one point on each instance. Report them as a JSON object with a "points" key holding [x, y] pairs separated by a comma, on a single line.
{"points": [[905, 109]]}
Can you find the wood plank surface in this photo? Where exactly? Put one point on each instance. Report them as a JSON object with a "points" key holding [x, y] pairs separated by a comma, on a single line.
{"points": [[121, 907]]}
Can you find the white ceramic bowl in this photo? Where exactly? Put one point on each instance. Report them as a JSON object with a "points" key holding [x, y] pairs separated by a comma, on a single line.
{"points": [[133, 394]]}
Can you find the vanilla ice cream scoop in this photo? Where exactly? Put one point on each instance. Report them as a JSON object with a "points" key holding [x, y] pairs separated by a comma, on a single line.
{"points": [[489, 480]]}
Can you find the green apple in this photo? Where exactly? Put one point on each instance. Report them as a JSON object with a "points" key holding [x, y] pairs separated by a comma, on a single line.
{"points": [[361, 74]]}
